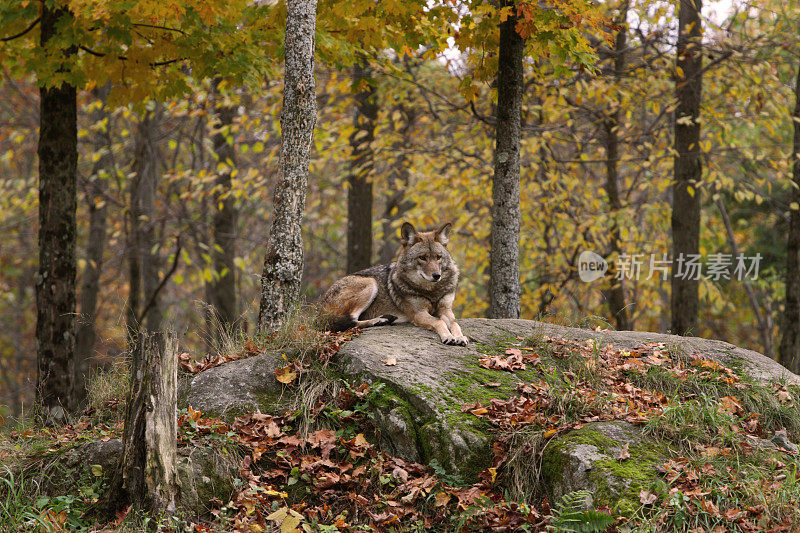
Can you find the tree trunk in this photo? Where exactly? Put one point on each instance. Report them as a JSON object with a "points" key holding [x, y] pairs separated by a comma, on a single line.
{"points": [[222, 289], [148, 167], [504, 286], [143, 258], [146, 473], [688, 166], [362, 162], [55, 281], [90, 282], [283, 262], [616, 291], [789, 351], [397, 183], [134, 265]]}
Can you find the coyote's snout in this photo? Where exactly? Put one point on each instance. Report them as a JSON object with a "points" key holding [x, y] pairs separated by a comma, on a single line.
{"points": [[419, 287]]}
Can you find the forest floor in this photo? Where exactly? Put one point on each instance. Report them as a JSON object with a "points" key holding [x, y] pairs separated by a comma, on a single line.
{"points": [[319, 467]]}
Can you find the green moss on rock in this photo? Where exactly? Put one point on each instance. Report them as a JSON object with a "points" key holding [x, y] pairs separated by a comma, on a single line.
{"points": [[587, 459]]}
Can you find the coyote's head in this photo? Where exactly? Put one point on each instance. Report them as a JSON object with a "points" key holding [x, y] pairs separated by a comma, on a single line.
{"points": [[424, 258]]}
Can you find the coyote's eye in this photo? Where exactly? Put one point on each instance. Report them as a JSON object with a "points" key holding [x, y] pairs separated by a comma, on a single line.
{"points": [[422, 258], [438, 257]]}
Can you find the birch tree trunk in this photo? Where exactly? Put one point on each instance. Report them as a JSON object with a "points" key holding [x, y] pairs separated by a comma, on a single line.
{"points": [[55, 280], [504, 285], [362, 161], [283, 263], [688, 166], [146, 473], [789, 350]]}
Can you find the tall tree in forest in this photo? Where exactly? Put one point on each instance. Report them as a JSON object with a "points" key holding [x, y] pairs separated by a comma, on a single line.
{"points": [[55, 281], [504, 288], [90, 280], [143, 258], [615, 294], [688, 167], [396, 204], [147, 166], [222, 288], [524, 29], [362, 162], [789, 351], [283, 262]]}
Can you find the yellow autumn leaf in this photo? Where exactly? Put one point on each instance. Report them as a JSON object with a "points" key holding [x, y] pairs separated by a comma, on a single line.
{"points": [[285, 374]]}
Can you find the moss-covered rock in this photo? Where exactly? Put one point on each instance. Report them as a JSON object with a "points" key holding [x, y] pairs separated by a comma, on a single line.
{"points": [[206, 472], [419, 412], [236, 388], [588, 459], [419, 409], [421, 417]]}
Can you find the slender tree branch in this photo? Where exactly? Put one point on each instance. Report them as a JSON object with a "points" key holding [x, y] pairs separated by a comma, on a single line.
{"points": [[764, 322], [164, 281], [124, 58], [155, 27], [23, 32]]}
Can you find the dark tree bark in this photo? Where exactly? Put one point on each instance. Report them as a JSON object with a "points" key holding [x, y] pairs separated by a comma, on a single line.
{"points": [[134, 265], [90, 281], [144, 260], [148, 167], [504, 285], [222, 289], [362, 162], [615, 294], [283, 263], [146, 473], [55, 281], [397, 181], [789, 350], [688, 166]]}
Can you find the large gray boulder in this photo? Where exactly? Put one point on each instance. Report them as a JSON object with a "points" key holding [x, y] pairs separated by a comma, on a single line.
{"points": [[421, 418], [424, 385], [235, 388]]}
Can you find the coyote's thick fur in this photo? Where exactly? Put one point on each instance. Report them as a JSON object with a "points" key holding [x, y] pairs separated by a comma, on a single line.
{"points": [[419, 287]]}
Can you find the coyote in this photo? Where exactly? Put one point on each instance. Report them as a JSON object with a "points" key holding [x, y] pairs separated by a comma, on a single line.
{"points": [[419, 287]]}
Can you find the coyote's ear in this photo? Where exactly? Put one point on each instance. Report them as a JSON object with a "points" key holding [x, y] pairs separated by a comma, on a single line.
{"points": [[408, 234], [442, 234]]}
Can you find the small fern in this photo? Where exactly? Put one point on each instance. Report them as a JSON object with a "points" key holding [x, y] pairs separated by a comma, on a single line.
{"points": [[570, 515]]}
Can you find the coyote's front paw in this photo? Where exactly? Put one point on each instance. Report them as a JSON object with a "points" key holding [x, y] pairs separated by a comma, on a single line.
{"points": [[385, 320], [455, 341]]}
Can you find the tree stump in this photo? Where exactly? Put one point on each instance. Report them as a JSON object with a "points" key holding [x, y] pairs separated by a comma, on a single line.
{"points": [[146, 474]]}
